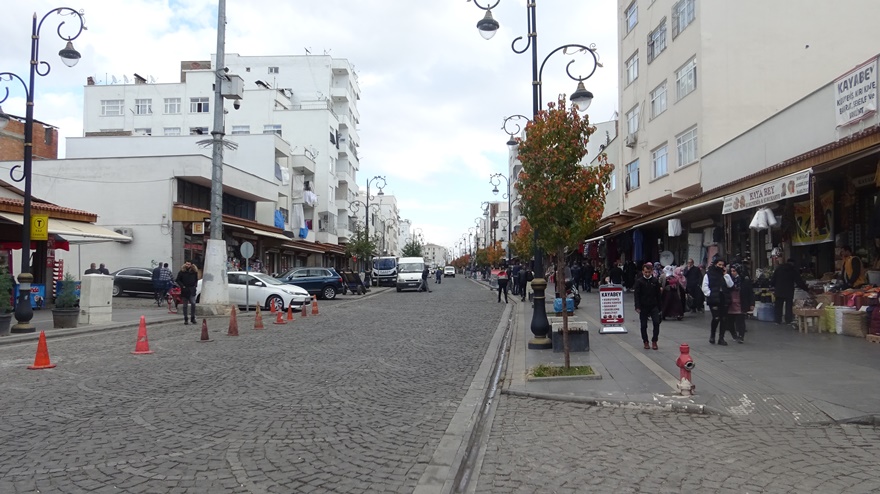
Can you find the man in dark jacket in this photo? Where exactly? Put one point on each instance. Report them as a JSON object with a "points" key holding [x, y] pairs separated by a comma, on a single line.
{"points": [[587, 276], [716, 287], [425, 273], [616, 274], [694, 276], [187, 279], [646, 293], [784, 279]]}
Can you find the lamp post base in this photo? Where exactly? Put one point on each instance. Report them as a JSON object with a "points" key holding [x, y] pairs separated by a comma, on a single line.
{"points": [[540, 325], [23, 310]]}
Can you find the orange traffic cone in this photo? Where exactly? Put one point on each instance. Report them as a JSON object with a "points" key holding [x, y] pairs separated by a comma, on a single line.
{"points": [[272, 306], [290, 312], [41, 361], [233, 322], [304, 310], [314, 305], [258, 321], [279, 318], [143, 345], [205, 337]]}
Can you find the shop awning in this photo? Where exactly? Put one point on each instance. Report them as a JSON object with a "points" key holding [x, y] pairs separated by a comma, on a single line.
{"points": [[655, 220], [70, 228], [264, 233], [303, 246], [600, 237]]}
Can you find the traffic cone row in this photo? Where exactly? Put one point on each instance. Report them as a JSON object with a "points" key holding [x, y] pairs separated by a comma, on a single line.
{"points": [[142, 346]]}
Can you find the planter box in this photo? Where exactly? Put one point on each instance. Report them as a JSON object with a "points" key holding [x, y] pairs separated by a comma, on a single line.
{"points": [[578, 337]]}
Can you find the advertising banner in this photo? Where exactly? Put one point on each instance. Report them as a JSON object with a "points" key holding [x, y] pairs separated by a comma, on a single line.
{"points": [[855, 94], [791, 186], [824, 222]]}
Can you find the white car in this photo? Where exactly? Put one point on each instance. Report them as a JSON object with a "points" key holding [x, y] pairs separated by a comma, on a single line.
{"points": [[262, 289]]}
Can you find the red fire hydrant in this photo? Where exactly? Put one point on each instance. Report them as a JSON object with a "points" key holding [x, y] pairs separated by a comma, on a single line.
{"points": [[685, 364]]}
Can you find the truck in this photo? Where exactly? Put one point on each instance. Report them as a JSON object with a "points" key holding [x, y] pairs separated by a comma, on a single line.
{"points": [[385, 271]]}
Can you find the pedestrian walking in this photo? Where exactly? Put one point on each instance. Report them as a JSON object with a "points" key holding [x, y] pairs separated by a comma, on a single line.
{"points": [[158, 287], [672, 305], [646, 293], [103, 269], [187, 279], [424, 287], [742, 301], [523, 280], [502, 284], [694, 276], [514, 279], [784, 279], [716, 288], [587, 276], [438, 275], [577, 273], [616, 274]]}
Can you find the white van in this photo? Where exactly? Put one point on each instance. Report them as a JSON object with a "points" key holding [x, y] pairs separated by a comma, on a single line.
{"points": [[409, 272]]}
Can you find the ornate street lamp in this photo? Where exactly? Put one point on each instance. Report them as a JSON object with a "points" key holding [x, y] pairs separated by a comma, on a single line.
{"points": [[495, 180], [376, 179], [581, 98], [23, 311]]}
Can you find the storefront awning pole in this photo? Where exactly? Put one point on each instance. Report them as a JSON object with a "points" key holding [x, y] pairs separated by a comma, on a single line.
{"points": [[812, 208]]}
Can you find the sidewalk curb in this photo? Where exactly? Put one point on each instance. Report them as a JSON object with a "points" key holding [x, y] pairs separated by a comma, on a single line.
{"points": [[672, 406], [61, 333]]}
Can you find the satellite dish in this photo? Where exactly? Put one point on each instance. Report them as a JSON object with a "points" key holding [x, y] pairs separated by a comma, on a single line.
{"points": [[666, 258]]}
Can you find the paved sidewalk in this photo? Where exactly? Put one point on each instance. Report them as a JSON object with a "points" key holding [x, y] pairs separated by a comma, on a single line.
{"points": [[777, 375]]}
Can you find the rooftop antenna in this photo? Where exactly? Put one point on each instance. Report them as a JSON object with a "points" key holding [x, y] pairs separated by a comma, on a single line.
{"points": [[308, 52]]}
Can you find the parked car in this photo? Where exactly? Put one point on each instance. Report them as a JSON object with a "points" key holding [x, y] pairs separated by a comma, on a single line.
{"points": [[323, 282], [132, 281], [249, 289], [449, 271]]}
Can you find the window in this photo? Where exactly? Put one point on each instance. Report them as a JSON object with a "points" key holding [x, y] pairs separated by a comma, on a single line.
{"points": [[198, 131], [48, 135], [632, 120], [199, 105], [272, 129], [632, 176], [612, 181], [686, 79], [632, 68], [143, 131], [171, 131], [686, 143], [657, 41], [683, 13], [632, 16], [241, 129], [273, 70], [111, 107], [658, 100], [658, 160], [143, 107], [172, 106]]}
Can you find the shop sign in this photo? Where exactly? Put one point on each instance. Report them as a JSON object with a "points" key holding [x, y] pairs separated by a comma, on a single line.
{"points": [[823, 223], [863, 181], [40, 227], [198, 228], [611, 309], [790, 186], [855, 94]]}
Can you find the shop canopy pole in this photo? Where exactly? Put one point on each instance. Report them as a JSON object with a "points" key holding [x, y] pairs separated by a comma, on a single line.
{"points": [[812, 209]]}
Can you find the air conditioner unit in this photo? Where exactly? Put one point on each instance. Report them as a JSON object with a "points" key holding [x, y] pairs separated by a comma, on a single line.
{"points": [[128, 232], [631, 140]]}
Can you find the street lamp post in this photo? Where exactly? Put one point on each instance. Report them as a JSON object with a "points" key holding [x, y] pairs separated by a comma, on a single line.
{"points": [[23, 311], [494, 179], [368, 270], [581, 98]]}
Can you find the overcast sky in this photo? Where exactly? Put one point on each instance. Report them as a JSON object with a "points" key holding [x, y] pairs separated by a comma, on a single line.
{"points": [[434, 92]]}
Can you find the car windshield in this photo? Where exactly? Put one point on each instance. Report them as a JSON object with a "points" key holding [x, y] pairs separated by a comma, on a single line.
{"points": [[412, 267], [385, 263], [268, 280]]}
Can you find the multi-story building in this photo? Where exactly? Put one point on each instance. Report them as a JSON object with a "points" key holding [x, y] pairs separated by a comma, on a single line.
{"points": [[404, 235], [697, 74], [435, 255], [384, 221], [45, 139], [309, 101]]}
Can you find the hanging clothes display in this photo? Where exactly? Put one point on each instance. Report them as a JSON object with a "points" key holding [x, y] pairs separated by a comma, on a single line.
{"points": [[638, 245], [674, 227]]}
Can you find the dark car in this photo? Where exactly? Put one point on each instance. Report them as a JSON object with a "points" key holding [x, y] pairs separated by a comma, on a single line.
{"points": [[132, 281], [323, 282]]}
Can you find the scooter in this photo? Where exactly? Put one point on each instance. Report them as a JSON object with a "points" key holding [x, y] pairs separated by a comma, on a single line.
{"points": [[572, 291]]}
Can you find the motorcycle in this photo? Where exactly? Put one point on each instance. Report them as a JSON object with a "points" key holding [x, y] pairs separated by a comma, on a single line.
{"points": [[572, 291]]}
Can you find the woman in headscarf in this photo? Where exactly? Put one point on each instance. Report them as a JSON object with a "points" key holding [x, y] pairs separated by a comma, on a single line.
{"points": [[672, 300]]}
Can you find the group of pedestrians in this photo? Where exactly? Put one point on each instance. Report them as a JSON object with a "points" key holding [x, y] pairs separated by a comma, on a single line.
{"points": [[93, 269]]}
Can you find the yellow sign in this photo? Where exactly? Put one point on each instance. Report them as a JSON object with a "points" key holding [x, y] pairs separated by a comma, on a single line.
{"points": [[198, 228], [824, 221], [39, 227]]}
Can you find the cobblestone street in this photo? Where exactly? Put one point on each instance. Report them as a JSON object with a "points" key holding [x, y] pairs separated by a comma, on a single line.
{"points": [[551, 446], [353, 400]]}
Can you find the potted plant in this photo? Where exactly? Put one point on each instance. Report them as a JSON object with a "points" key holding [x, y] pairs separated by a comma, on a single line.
{"points": [[66, 311], [5, 300]]}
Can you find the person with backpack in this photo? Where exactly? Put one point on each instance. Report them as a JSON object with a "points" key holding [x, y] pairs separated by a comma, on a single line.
{"points": [[716, 287]]}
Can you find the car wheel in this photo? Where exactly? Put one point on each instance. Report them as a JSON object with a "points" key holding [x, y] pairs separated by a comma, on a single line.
{"points": [[117, 290], [279, 302], [329, 292], [398, 289]]}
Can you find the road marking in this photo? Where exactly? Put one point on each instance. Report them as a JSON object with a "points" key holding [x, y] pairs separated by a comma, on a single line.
{"points": [[660, 372]]}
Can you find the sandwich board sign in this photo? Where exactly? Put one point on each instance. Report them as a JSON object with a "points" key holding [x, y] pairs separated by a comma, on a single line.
{"points": [[611, 309]]}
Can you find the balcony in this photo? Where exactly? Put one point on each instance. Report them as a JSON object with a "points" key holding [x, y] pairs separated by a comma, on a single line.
{"points": [[340, 67], [339, 94], [303, 164], [343, 172], [341, 205]]}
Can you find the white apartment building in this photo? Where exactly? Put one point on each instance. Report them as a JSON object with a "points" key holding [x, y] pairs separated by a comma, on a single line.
{"points": [[384, 221], [695, 74], [404, 235], [309, 101], [435, 255]]}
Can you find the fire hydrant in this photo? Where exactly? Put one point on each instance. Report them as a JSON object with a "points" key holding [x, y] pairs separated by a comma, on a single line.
{"points": [[685, 364]]}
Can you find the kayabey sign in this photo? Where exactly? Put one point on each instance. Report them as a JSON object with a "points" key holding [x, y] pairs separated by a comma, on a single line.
{"points": [[855, 94], [790, 186]]}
